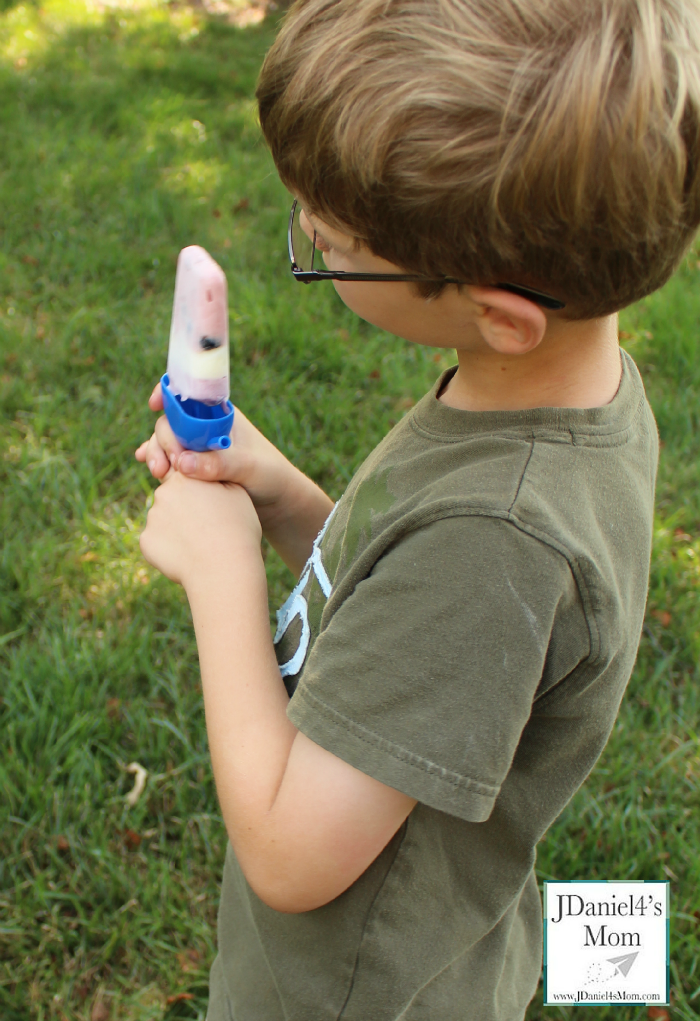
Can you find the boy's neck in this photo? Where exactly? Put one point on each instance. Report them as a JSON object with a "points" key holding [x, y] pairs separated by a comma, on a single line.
{"points": [[576, 365]]}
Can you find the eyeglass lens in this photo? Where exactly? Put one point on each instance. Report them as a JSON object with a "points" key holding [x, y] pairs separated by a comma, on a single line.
{"points": [[302, 246]]}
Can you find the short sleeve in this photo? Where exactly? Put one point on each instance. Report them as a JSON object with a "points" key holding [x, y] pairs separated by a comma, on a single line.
{"points": [[424, 677]]}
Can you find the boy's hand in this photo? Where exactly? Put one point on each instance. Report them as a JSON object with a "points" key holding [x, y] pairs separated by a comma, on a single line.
{"points": [[250, 461], [291, 508], [194, 529]]}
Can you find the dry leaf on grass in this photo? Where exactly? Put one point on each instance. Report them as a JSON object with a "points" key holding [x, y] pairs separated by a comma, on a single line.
{"points": [[132, 839], [139, 783], [114, 708], [189, 960], [100, 1011]]}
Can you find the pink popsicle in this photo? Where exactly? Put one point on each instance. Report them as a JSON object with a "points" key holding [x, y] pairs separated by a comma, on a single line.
{"points": [[198, 356]]}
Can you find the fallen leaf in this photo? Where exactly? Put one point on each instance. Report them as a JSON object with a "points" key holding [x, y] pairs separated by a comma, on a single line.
{"points": [[658, 1014], [86, 557], [139, 783], [81, 988], [132, 839], [189, 960], [100, 1011], [30, 260], [375, 374], [680, 534], [178, 997], [216, 213], [241, 205], [663, 616], [62, 844], [114, 708]]}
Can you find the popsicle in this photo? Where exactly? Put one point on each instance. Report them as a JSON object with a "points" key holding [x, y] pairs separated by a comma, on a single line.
{"points": [[196, 385]]}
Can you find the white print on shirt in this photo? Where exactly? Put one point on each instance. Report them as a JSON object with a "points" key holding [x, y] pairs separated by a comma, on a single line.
{"points": [[296, 605]]}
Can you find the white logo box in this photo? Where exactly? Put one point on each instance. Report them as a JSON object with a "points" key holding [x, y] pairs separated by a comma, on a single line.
{"points": [[606, 942]]}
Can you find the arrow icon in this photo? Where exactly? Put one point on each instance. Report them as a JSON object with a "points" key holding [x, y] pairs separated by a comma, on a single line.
{"points": [[624, 963]]}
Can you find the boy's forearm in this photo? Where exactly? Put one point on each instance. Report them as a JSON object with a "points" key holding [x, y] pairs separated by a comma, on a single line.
{"points": [[293, 521], [245, 700]]}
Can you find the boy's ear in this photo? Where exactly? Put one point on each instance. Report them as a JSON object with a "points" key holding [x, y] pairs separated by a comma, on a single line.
{"points": [[509, 324]]}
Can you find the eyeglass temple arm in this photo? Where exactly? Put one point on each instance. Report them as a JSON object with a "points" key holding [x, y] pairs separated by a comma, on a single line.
{"points": [[545, 300]]}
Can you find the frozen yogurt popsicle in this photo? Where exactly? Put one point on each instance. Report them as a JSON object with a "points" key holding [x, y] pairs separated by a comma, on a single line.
{"points": [[198, 358]]}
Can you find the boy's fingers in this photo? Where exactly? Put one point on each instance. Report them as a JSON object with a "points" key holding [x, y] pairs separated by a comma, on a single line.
{"points": [[155, 401], [157, 460], [152, 453], [208, 465], [166, 438]]}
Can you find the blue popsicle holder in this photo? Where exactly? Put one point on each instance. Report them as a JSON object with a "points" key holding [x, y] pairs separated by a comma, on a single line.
{"points": [[197, 426]]}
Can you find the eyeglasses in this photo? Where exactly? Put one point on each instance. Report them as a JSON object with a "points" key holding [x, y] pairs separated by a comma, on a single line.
{"points": [[302, 252]]}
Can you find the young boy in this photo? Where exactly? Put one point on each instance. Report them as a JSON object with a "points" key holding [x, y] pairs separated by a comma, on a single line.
{"points": [[467, 619]]}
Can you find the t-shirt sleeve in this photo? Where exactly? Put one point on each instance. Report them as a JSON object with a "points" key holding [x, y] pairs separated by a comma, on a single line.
{"points": [[424, 677]]}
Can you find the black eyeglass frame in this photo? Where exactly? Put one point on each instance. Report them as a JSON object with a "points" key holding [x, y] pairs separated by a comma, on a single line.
{"points": [[310, 276]]}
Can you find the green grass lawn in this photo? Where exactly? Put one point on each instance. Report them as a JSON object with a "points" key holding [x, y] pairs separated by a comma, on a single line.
{"points": [[125, 134]]}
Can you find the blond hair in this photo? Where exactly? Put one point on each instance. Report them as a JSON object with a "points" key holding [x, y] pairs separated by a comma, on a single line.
{"points": [[549, 142]]}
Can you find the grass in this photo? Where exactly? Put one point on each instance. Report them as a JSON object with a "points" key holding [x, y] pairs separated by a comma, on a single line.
{"points": [[128, 132]]}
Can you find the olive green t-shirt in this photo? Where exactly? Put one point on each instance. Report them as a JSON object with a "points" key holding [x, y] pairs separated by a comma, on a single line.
{"points": [[463, 632]]}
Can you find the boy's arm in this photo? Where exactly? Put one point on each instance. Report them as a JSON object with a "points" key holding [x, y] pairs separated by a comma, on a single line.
{"points": [[304, 824], [292, 509]]}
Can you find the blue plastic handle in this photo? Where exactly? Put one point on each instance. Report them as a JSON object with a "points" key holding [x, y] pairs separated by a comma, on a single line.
{"points": [[197, 426]]}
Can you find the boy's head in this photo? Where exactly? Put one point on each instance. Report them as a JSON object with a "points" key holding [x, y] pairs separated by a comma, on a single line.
{"points": [[554, 143]]}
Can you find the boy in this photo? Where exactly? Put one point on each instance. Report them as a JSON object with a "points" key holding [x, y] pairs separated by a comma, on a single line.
{"points": [[468, 616]]}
